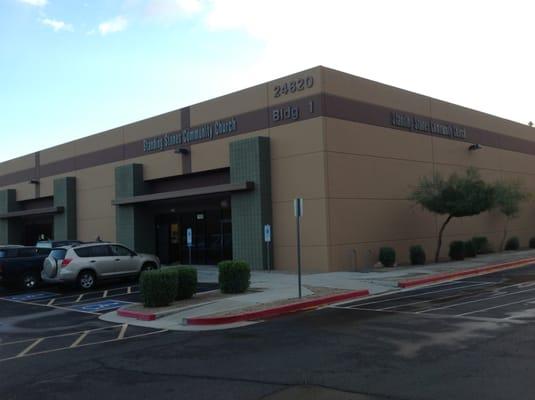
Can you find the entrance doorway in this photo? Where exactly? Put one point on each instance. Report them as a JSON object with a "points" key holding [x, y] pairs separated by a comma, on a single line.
{"points": [[211, 227], [36, 227]]}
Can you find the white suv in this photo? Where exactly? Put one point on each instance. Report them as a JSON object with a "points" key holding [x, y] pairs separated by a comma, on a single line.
{"points": [[84, 264]]}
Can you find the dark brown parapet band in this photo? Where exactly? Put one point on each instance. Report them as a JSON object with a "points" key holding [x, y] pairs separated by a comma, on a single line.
{"points": [[320, 105]]}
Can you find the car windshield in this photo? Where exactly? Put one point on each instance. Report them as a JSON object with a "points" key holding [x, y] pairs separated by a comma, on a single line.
{"points": [[58, 254], [46, 245]]}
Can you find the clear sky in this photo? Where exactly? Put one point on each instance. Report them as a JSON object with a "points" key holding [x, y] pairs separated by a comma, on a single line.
{"points": [[70, 68]]}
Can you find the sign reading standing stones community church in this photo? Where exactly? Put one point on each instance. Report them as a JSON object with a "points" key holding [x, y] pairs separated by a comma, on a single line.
{"points": [[190, 135], [419, 124]]}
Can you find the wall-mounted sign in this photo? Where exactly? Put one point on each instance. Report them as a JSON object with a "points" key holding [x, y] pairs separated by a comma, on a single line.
{"points": [[190, 135], [419, 124]]}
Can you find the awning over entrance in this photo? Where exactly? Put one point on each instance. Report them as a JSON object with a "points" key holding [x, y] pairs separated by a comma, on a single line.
{"points": [[33, 212], [216, 189]]}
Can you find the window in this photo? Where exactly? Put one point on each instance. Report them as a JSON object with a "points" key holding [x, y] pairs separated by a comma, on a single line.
{"points": [[58, 254], [27, 252], [43, 251], [3, 253], [100, 251], [120, 251]]}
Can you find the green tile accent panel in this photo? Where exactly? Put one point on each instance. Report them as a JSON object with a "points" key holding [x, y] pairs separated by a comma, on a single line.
{"points": [[135, 226], [250, 160], [65, 196], [10, 229]]}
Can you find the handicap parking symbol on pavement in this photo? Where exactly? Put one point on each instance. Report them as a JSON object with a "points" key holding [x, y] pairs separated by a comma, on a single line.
{"points": [[104, 305], [33, 296]]}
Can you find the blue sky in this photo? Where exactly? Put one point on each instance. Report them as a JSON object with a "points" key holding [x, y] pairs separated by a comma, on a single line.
{"points": [[70, 68]]}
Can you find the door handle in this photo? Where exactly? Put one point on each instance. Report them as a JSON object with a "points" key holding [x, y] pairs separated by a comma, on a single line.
{"points": [[117, 259], [92, 261]]}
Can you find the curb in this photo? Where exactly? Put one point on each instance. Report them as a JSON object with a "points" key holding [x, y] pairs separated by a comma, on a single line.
{"points": [[140, 315], [468, 272], [276, 311]]}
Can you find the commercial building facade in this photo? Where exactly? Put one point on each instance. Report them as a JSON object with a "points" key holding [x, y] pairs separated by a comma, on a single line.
{"points": [[350, 147]]}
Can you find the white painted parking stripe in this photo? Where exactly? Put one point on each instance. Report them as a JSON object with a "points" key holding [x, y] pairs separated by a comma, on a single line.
{"points": [[79, 339], [62, 335], [498, 306], [29, 348], [419, 294], [51, 302], [44, 305], [86, 344], [79, 298], [475, 301], [104, 294], [129, 290], [436, 316], [122, 332]]}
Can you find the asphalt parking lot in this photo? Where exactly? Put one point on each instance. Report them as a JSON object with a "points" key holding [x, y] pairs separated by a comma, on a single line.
{"points": [[56, 318], [473, 338], [507, 296]]}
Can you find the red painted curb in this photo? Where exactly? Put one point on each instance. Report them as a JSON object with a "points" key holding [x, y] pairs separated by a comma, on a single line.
{"points": [[474, 271], [142, 316], [276, 311]]}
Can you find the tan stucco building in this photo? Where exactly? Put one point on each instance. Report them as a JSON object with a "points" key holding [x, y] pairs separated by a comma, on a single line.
{"points": [[350, 147]]}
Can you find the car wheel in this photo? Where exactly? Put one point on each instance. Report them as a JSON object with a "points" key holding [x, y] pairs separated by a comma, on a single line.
{"points": [[29, 281], [87, 280]]}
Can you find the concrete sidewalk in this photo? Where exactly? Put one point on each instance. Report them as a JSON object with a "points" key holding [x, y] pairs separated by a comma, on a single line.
{"points": [[271, 287]]}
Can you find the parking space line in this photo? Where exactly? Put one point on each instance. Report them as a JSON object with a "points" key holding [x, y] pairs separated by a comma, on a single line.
{"points": [[105, 294], [419, 294], [129, 290], [435, 316], [498, 306], [44, 305], [122, 332], [29, 348], [51, 302], [62, 335], [85, 345], [79, 298], [475, 301], [79, 339]]}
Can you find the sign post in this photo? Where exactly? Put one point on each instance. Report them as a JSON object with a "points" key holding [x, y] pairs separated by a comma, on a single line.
{"points": [[298, 212], [267, 239], [189, 241]]}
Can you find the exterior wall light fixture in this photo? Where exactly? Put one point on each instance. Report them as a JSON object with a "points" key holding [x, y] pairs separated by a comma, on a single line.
{"points": [[182, 150], [474, 147], [34, 181]]}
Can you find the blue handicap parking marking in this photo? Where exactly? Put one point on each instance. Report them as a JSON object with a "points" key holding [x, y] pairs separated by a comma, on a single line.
{"points": [[31, 296], [98, 306]]}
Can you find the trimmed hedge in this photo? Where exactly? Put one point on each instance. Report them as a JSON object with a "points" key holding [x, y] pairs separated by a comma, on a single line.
{"points": [[457, 250], [187, 282], [469, 249], [234, 276], [512, 244], [158, 287], [532, 243], [387, 256], [417, 255], [481, 244]]}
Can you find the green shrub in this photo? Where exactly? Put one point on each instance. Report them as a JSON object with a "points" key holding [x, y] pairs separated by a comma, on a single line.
{"points": [[457, 250], [532, 243], [469, 249], [158, 287], [234, 276], [417, 255], [387, 256], [512, 244], [187, 282], [481, 244]]}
